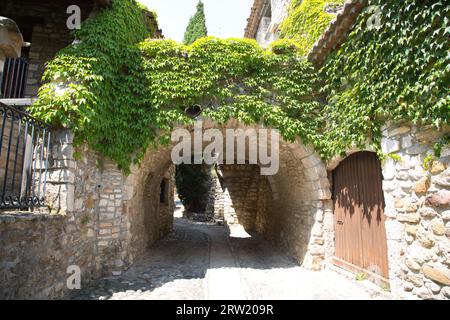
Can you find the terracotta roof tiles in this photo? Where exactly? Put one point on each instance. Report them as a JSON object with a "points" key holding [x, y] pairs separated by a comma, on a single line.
{"points": [[254, 19], [330, 40], [337, 32]]}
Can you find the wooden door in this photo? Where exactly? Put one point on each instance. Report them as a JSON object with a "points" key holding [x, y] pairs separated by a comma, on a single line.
{"points": [[360, 236]]}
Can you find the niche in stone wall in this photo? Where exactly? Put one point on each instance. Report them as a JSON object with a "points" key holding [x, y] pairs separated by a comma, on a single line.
{"points": [[164, 191]]}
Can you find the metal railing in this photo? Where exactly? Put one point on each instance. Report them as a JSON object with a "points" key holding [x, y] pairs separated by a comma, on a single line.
{"points": [[14, 77], [24, 151]]}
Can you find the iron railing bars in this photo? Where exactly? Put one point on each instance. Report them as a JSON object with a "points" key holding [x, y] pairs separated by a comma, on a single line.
{"points": [[22, 185]]}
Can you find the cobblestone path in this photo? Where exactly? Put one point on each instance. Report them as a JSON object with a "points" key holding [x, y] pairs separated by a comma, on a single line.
{"points": [[201, 261]]}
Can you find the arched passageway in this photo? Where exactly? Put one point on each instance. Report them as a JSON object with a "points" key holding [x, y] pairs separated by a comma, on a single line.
{"points": [[276, 228], [289, 208], [181, 259]]}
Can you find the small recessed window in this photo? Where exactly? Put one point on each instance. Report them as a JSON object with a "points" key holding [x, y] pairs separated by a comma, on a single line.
{"points": [[164, 192]]}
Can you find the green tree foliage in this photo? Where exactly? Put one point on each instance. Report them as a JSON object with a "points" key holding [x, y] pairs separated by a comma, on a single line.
{"points": [[306, 21], [197, 26], [192, 186]]}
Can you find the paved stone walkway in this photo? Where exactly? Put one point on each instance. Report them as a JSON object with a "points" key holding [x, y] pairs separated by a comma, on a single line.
{"points": [[201, 261]]}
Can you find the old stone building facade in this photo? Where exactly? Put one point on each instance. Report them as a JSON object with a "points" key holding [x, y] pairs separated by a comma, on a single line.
{"points": [[101, 220], [265, 18], [105, 219], [43, 24], [44, 27], [416, 193]]}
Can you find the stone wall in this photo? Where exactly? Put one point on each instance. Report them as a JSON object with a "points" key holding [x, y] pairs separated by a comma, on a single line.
{"points": [[214, 203], [299, 201], [85, 224], [101, 220], [147, 220], [37, 248], [417, 211], [32, 259], [238, 194], [242, 196], [158, 216], [268, 29], [301, 215]]}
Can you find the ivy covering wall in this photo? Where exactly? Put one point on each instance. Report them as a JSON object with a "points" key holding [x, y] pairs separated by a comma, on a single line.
{"points": [[232, 78], [307, 20], [94, 87], [394, 65], [121, 94]]}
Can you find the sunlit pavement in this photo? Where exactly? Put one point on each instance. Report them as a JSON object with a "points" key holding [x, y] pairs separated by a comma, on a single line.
{"points": [[206, 261]]}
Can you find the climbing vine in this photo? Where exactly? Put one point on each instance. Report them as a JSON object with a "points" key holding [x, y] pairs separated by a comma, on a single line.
{"points": [[307, 20], [121, 94], [93, 87], [232, 78], [393, 69]]}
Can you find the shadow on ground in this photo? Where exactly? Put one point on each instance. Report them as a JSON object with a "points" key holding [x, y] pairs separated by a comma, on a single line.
{"points": [[176, 266]]}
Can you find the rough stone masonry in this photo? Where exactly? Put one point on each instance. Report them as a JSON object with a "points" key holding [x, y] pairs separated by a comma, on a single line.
{"points": [[418, 212], [102, 220]]}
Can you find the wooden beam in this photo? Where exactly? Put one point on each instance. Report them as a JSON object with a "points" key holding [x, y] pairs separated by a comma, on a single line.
{"points": [[371, 276]]}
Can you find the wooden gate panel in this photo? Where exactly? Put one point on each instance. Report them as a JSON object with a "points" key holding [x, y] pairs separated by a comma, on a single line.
{"points": [[360, 236]]}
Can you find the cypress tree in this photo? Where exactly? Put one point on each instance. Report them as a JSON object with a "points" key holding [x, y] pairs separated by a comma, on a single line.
{"points": [[197, 26]]}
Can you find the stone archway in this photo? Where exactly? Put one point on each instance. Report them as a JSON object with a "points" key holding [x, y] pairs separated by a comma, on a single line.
{"points": [[158, 211], [297, 216]]}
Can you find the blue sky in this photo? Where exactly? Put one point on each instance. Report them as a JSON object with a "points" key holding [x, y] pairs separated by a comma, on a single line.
{"points": [[224, 18]]}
